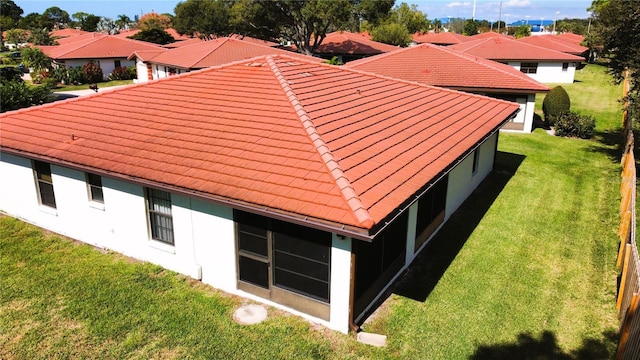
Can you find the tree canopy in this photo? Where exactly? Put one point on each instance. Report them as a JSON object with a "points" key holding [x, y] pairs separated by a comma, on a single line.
{"points": [[618, 28]]}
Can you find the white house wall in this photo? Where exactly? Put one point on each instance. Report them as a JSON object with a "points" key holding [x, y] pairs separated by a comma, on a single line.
{"points": [[107, 65], [461, 180], [204, 232], [551, 72]]}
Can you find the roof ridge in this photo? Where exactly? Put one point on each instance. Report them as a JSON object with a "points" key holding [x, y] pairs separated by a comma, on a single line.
{"points": [[346, 189], [217, 45], [492, 64]]}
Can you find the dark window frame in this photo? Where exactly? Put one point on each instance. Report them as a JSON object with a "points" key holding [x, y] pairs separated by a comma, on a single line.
{"points": [[94, 188], [160, 222], [44, 184], [529, 67], [565, 66], [117, 63], [476, 161]]}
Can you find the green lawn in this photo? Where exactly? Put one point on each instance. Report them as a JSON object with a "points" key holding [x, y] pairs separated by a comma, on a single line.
{"points": [[527, 266]]}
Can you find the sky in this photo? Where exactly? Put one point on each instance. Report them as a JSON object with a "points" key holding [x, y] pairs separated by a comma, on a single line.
{"points": [[492, 10]]}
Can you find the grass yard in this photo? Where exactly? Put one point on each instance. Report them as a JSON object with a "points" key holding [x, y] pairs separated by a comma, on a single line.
{"points": [[526, 269]]}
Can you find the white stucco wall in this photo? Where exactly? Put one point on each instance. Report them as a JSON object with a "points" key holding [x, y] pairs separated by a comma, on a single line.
{"points": [[107, 65], [203, 232], [162, 71], [551, 72], [141, 72], [462, 181]]}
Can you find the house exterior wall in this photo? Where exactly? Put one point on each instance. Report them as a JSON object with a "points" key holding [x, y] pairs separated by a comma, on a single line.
{"points": [[204, 232], [142, 74], [462, 180], [550, 72], [107, 65], [162, 71]]}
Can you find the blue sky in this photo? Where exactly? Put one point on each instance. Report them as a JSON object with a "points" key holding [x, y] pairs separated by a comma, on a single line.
{"points": [[512, 10]]}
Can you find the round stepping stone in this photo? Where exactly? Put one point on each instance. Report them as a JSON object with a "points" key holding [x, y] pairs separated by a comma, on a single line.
{"points": [[250, 314]]}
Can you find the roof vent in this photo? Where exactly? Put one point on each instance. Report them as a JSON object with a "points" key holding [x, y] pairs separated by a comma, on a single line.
{"points": [[255, 64]]}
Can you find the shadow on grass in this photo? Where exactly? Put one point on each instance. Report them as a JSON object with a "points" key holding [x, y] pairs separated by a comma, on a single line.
{"points": [[428, 267], [546, 347], [613, 144]]}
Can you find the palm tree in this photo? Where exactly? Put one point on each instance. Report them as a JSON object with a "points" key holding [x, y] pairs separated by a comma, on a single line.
{"points": [[123, 22]]}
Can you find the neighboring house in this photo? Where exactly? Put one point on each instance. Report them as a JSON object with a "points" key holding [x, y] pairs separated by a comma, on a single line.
{"points": [[489, 34], [554, 42], [65, 33], [303, 185], [158, 64], [432, 65], [196, 40], [441, 38], [543, 65], [108, 51], [174, 34], [347, 46]]}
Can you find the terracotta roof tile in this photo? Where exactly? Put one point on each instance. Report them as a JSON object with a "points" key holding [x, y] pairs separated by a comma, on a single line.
{"points": [[202, 54], [278, 132], [554, 42], [344, 42], [95, 46], [432, 65], [442, 38], [506, 49]]}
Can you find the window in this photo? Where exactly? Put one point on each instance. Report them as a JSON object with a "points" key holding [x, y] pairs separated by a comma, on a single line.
{"points": [[529, 68], [94, 183], [287, 263], [476, 161], [431, 208], [565, 66], [44, 183], [160, 219], [117, 63]]}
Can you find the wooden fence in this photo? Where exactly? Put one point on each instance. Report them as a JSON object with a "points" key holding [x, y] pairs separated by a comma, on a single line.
{"points": [[628, 261]]}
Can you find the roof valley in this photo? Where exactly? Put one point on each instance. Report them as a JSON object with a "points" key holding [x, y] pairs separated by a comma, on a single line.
{"points": [[348, 192]]}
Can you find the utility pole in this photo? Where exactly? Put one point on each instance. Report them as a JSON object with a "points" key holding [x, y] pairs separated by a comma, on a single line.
{"points": [[499, 17]]}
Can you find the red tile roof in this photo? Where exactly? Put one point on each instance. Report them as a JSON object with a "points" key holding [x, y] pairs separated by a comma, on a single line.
{"points": [[174, 34], [489, 34], [209, 53], [432, 65], [277, 133], [506, 49], [443, 38], [571, 37], [96, 46], [553, 42], [67, 33], [344, 42]]}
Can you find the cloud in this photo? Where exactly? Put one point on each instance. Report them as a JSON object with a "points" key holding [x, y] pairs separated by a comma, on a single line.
{"points": [[458, 3], [517, 3]]}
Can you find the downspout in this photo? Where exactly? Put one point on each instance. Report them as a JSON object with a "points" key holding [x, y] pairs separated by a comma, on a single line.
{"points": [[352, 276]]}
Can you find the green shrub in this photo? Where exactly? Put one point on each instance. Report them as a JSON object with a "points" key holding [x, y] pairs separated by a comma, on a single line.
{"points": [[572, 124], [555, 103], [92, 73], [123, 73], [10, 73]]}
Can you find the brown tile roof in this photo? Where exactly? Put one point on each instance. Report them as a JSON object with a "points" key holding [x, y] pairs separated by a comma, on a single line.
{"points": [[504, 49], [437, 65], [209, 53], [442, 38], [554, 42], [95, 46], [320, 142], [344, 42]]}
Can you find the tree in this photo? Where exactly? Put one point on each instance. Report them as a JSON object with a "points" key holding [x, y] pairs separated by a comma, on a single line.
{"points": [[17, 36], [86, 22], [156, 36], [470, 28], [619, 29], [10, 14], [35, 59], [17, 95], [409, 16], [123, 21], [41, 37], [154, 20], [522, 31], [437, 25], [374, 12], [55, 18], [206, 18], [31, 21], [391, 33], [108, 26]]}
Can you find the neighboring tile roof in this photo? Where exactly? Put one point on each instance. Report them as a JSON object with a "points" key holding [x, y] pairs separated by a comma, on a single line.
{"points": [[344, 42], [572, 38], [442, 38], [432, 65], [506, 49], [554, 42], [174, 34], [96, 46], [209, 53], [319, 142], [489, 34], [67, 33]]}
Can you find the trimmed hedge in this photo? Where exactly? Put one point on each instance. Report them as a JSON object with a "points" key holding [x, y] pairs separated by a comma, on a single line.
{"points": [[555, 103]]}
